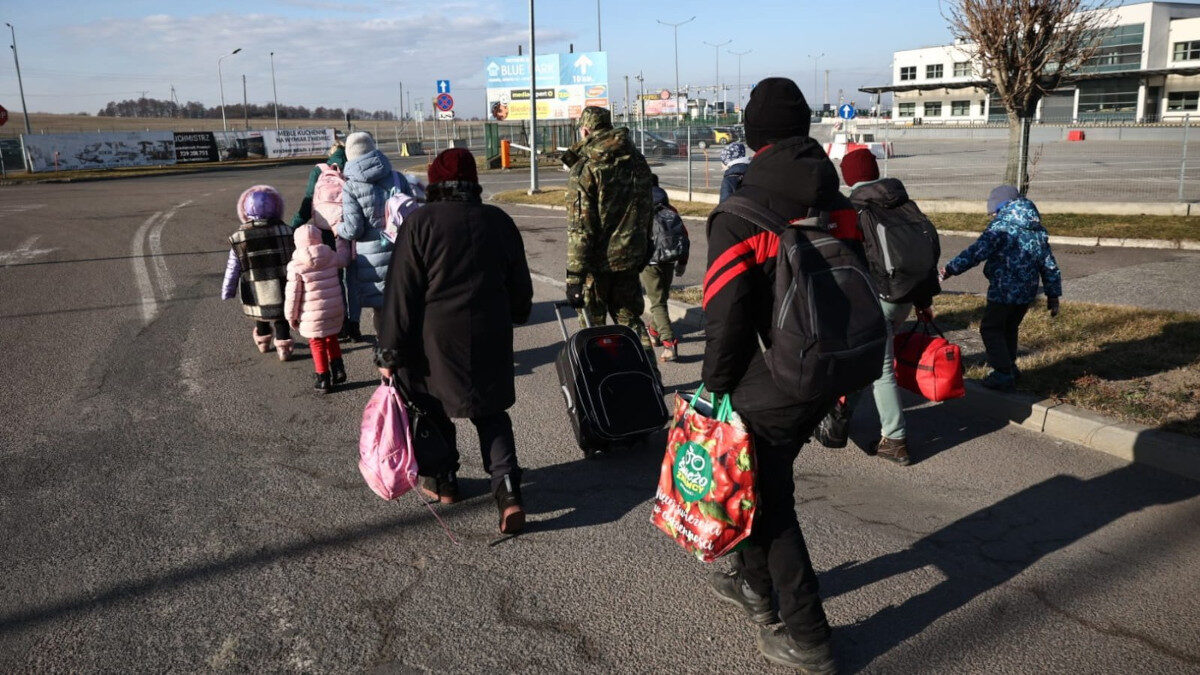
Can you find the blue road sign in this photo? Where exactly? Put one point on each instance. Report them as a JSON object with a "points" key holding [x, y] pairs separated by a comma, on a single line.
{"points": [[846, 111], [445, 102], [443, 86]]}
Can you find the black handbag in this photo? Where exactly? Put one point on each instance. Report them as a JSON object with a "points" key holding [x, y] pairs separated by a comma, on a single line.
{"points": [[428, 440]]}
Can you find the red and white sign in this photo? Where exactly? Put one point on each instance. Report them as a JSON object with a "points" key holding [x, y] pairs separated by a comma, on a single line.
{"points": [[3, 115]]}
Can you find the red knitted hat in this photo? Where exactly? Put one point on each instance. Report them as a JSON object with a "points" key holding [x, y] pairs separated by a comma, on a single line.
{"points": [[453, 164], [859, 167]]}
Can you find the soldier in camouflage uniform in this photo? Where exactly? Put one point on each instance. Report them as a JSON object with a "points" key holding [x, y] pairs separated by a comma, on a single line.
{"points": [[609, 219]]}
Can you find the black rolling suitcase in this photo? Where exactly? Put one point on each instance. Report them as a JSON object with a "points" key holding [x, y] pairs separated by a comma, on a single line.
{"points": [[611, 388]]}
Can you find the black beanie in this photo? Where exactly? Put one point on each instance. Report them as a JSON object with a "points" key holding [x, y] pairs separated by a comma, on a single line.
{"points": [[777, 110]]}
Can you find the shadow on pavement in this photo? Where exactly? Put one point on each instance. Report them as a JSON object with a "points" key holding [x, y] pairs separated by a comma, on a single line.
{"points": [[593, 491], [255, 557], [990, 547]]}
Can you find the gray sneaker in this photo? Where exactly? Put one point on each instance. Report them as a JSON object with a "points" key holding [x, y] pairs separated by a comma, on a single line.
{"points": [[731, 588], [778, 646]]}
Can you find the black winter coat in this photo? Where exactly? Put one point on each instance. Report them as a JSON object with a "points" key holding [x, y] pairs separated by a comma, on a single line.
{"points": [[457, 283], [792, 178]]}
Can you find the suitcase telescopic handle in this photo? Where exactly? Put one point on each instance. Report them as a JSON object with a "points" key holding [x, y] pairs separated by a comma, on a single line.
{"points": [[562, 325]]}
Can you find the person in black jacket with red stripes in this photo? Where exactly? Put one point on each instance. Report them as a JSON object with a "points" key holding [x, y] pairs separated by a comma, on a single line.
{"points": [[791, 175]]}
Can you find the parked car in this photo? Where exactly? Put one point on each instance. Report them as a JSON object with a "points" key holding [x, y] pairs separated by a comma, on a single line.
{"points": [[725, 135], [702, 137], [656, 145]]}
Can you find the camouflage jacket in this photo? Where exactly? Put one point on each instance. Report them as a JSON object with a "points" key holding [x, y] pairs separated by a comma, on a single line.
{"points": [[609, 209]]}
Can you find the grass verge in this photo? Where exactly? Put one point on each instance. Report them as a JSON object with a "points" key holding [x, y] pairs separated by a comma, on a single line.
{"points": [[1173, 228], [1134, 365]]}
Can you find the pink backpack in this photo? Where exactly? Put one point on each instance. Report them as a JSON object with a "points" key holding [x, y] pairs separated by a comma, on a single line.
{"points": [[396, 209], [385, 448], [385, 453], [327, 197]]}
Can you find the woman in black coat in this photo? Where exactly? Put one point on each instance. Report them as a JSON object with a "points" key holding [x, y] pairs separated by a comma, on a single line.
{"points": [[458, 282]]}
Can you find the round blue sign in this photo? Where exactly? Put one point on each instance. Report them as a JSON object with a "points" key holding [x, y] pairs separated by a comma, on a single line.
{"points": [[445, 102], [846, 112]]}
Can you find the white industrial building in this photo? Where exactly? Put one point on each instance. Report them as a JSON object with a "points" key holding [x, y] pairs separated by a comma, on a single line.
{"points": [[1147, 69]]}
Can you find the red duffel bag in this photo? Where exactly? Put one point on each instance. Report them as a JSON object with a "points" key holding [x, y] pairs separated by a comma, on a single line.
{"points": [[927, 364]]}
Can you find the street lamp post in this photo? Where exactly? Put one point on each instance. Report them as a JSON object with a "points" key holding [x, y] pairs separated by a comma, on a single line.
{"points": [[599, 43], [221, 82], [533, 146], [274, 91], [816, 59], [675, 29], [717, 47], [20, 84], [738, 101]]}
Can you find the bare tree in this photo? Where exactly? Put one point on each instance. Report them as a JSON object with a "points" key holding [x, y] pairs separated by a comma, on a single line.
{"points": [[1027, 48]]}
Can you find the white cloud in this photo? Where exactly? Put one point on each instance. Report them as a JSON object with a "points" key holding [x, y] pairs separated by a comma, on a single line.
{"points": [[319, 61]]}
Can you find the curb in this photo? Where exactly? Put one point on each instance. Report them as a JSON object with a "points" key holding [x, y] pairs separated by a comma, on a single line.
{"points": [[1106, 242], [215, 167], [1136, 443], [1165, 450]]}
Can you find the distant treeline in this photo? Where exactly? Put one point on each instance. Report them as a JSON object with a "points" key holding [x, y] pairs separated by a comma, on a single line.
{"points": [[152, 107]]}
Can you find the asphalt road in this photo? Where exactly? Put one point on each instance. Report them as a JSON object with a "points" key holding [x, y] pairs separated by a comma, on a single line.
{"points": [[1092, 171], [172, 500]]}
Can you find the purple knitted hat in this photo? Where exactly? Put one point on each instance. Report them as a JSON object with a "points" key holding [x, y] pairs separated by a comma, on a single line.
{"points": [[260, 202]]}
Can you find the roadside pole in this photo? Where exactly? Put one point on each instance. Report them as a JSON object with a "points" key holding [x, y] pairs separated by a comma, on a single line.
{"points": [[533, 145], [689, 160], [1187, 121]]}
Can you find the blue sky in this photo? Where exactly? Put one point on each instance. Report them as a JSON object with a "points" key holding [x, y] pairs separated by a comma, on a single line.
{"points": [[76, 55]]}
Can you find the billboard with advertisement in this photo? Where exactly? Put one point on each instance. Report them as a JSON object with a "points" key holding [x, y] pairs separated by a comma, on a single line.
{"points": [[64, 152], [195, 146], [566, 84], [297, 142]]}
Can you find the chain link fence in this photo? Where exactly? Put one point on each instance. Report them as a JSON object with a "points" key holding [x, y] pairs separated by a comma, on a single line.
{"points": [[1113, 162]]}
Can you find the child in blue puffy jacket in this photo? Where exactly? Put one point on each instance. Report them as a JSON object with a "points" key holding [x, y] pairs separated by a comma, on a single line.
{"points": [[1015, 250]]}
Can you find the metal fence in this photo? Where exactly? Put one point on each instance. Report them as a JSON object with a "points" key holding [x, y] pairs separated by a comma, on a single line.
{"points": [[1109, 162]]}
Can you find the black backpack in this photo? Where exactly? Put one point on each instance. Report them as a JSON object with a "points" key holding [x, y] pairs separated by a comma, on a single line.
{"points": [[670, 237], [828, 332], [902, 248]]}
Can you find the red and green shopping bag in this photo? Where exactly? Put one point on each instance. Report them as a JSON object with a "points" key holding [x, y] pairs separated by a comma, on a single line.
{"points": [[706, 497]]}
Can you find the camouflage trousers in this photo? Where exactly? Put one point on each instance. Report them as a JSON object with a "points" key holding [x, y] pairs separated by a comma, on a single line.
{"points": [[619, 295]]}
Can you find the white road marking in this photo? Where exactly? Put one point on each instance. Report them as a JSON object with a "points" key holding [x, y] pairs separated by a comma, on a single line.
{"points": [[141, 272], [11, 209], [151, 231], [24, 253], [165, 283], [542, 278]]}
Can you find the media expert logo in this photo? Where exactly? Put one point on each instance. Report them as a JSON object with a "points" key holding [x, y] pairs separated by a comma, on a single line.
{"points": [[693, 472]]}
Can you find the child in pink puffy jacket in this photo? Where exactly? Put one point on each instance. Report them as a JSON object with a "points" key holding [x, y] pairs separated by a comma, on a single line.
{"points": [[313, 302]]}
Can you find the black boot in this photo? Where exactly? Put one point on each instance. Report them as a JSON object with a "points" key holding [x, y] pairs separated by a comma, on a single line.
{"points": [[508, 503], [834, 429], [323, 385], [730, 587], [350, 332], [337, 371], [442, 488], [778, 646]]}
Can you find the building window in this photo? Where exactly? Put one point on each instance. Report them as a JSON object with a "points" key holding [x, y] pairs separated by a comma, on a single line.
{"points": [[1119, 49], [908, 109], [933, 109], [933, 71], [962, 68], [1180, 101], [1187, 51], [1114, 99], [960, 108], [908, 73]]}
